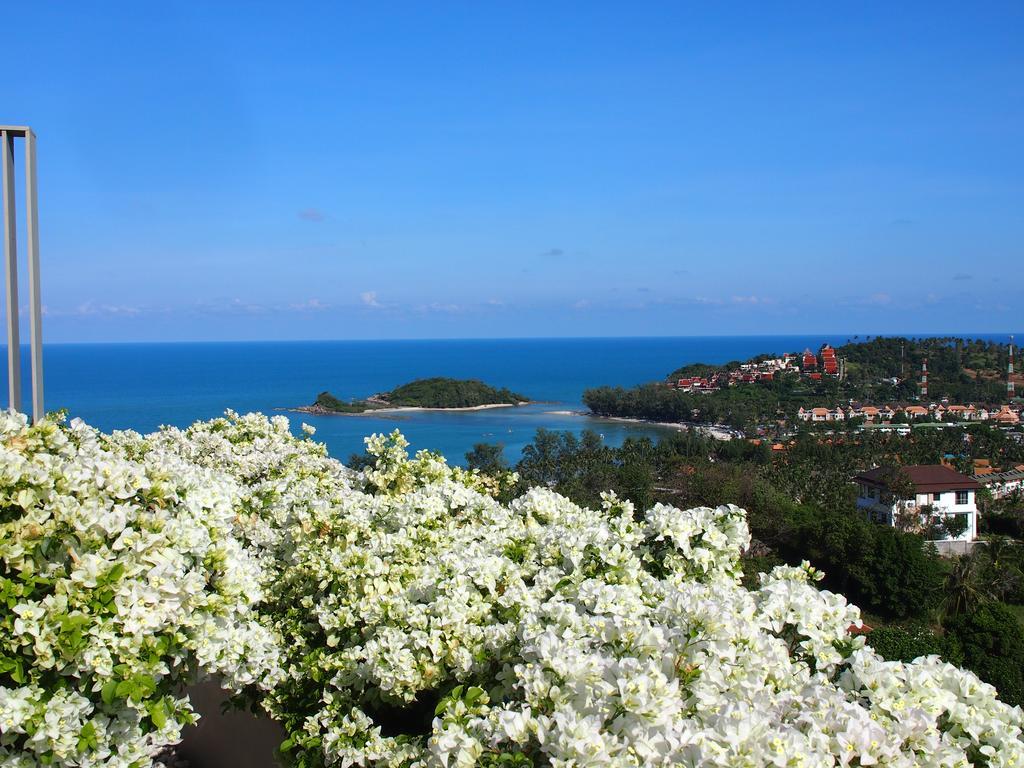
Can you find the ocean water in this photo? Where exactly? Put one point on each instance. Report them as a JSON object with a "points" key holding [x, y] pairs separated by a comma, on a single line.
{"points": [[143, 386]]}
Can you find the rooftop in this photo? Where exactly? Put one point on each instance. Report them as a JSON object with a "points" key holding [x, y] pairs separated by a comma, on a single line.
{"points": [[927, 478]]}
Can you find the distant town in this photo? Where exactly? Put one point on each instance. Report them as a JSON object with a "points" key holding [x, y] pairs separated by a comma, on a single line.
{"points": [[815, 367], [888, 384]]}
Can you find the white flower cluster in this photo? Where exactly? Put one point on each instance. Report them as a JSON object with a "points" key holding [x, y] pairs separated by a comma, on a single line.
{"points": [[426, 624], [420, 622], [121, 581]]}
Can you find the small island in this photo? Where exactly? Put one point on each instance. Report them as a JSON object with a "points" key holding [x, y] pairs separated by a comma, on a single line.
{"points": [[438, 393]]}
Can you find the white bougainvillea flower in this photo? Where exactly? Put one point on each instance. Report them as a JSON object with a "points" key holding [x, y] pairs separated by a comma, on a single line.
{"points": [[402, 616]]}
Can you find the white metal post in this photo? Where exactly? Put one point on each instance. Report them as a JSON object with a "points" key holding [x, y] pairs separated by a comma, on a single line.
{"points": [[11, 271], [35, 303]]}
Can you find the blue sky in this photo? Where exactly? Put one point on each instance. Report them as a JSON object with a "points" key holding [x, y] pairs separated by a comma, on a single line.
{"points": [[275, 171]]}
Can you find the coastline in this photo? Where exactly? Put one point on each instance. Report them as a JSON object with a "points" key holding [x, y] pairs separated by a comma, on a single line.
{"points": [[316, 410], [716, 431]]}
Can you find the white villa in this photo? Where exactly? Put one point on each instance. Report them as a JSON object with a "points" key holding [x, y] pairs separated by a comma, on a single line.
{"points": [[938, 492]]}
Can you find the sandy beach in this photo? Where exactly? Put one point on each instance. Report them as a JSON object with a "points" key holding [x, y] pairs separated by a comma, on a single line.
{"points": [[713, 430], [318, 411]]}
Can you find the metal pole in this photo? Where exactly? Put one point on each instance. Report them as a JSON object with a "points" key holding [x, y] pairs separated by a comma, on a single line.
{"points": [[11, 270], [35, 302]]}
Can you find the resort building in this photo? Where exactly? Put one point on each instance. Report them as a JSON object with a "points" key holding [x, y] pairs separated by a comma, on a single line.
{"points": [[916, 412], [935, 493], [821, 414], [1006, 416], [962, 412], [829, 364], [1002, 484]]}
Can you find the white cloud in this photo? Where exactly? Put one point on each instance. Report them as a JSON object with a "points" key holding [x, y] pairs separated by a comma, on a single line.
{"points": [[310, 305], [369, 299], [91, 308], [438, 306]]}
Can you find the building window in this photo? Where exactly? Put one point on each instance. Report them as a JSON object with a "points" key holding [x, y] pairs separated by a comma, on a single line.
{"points": [[961, 497], [936, 497]]}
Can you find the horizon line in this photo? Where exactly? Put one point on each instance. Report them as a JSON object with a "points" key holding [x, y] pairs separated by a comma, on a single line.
{"points": [[907, 335]]}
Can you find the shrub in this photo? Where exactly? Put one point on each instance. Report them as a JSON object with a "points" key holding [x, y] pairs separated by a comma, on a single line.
{"points": [[121, 581], [426, 623], [895, 643], [992, 644], [408, 618]]}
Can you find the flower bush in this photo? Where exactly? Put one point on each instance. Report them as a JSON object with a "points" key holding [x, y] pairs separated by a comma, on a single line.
{"points": [[121, 581], [408, 618]]}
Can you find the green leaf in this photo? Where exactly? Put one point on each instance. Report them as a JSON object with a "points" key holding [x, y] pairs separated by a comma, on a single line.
{"points": [[87, 737], [109, 692], [141, 686], [158, 713]]}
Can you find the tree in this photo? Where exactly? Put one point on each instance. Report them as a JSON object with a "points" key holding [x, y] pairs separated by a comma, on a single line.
{"points": [[953, 525], [1003, 567], [898, 485], [489, 458], [906, 575], [992, 644], [966, 587]]}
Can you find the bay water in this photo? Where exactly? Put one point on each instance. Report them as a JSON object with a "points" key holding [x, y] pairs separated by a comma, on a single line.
{"points": [[143, 386]]}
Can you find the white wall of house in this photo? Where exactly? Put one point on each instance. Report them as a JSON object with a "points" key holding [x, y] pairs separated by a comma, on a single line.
{"points": [[946, 503]]}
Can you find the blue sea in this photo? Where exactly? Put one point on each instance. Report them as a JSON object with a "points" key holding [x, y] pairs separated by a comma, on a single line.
{"points": [[142, 386]]}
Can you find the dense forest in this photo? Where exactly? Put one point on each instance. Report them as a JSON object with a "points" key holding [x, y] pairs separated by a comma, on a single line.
{"points": [[438, 392], [801, 506], [743, 407], [878, 370], [964, 370]]}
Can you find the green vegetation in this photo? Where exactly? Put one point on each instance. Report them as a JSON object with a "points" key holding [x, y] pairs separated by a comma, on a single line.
{"points": [[896, 643], [740, 407], [489, 458], [442, 392], [992, 644], [328, 402], [801, 505], [438, 392], [878, 370], [964, 370]]}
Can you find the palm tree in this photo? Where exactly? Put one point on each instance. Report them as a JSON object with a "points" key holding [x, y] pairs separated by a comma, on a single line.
{"points": [[966, 586], [1003, 557]]}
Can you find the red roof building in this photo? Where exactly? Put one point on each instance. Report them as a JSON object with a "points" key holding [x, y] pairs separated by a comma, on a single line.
{"points": [[829, 364], [809, 362]]}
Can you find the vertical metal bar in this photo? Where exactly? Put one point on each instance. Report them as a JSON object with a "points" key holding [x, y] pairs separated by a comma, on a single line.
{"points": [[11, 270], [35, 307]]}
